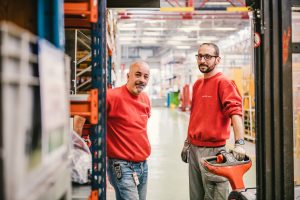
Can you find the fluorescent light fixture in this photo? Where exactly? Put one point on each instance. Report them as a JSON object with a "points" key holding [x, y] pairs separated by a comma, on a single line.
{"points": [[151, 38], [173, 42], [189, 29], [149, 41], [155, 29], [192, 28], [180, 37], [146, 29], [128, 38], [155, 21], [127, 28], [183, 47], [127, 25], [152, 33], [202, 41], [223, 29], [210, 38]]}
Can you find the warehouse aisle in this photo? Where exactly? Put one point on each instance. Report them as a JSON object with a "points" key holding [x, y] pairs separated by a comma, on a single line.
{"points": [[168, 175]]}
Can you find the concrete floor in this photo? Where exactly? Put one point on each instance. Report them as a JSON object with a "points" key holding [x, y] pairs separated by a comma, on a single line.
{"points": [[168, 175]]}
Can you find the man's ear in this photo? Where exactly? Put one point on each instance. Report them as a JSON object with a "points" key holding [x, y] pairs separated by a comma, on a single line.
{"points": [[218, 60]]}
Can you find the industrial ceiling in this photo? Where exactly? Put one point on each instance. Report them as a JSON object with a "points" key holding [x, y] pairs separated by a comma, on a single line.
{"points": [[178, 24]]}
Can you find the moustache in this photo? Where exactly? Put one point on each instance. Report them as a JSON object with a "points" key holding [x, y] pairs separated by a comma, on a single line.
{"points": [[202, 65], [140, 84]]}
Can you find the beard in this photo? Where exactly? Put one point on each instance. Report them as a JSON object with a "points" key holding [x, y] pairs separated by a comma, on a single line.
{"points": [[140, 86], [205, 68]]}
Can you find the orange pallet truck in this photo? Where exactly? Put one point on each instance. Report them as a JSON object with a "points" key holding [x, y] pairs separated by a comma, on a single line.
{"points": [[224, 164]]}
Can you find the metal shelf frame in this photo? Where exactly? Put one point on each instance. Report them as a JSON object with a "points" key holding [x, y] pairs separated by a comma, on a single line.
{"points": [[51, 21], [99, 81]]}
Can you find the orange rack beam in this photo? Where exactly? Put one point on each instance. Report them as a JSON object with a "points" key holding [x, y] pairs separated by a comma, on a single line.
{"points": [[80, 14], [94, 195], [85, 105]]}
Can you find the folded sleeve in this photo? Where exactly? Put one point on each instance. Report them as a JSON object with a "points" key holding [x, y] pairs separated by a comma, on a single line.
{"points": [[231, 101]]}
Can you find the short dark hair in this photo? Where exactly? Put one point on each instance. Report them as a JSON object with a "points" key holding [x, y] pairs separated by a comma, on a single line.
{"points": [[217, 52]]}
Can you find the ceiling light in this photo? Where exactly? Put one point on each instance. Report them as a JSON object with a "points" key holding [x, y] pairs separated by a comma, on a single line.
{"points": [[127, 28], [202, 41], [150, 38], [155, 21], [146, 29], [149, 41], [127, 38], [127, 25], [193, 28], [183, 47], [173, 42], [180, 37], [152, 33], [210, 38], [223, 29], [155, 29]]}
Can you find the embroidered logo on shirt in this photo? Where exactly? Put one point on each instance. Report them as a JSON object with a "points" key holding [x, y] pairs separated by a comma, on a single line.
{"points": [[206, 96]]}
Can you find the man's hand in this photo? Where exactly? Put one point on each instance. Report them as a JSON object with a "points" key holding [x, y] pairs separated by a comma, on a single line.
{"points": [[185, 151], [239, 152]]}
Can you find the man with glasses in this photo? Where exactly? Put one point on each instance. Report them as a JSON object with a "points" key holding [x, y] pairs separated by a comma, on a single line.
{"points": [[216, 103]]}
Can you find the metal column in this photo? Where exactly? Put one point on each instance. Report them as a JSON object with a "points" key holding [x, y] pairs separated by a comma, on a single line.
{"points": [[99, 73], [273, 69]]}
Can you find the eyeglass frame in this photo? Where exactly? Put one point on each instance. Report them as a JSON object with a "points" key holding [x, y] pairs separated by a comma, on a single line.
{"points": [[205, 55]]}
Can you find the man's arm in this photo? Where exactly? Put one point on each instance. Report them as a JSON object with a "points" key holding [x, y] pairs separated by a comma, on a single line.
{"points": [[238, 127], [238, 151]]}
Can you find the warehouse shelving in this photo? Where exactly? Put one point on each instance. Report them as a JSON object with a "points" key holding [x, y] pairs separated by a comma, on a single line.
{"points": [[86, 32], [249, 118], [78, 46], [85, 105]]}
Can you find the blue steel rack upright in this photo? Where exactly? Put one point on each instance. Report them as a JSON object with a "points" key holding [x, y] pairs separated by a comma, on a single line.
{"points": [[99, 81], [50, 22]]}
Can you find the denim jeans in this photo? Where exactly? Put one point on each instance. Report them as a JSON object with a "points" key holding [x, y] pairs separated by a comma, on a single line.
{"points": [[121, 175]]}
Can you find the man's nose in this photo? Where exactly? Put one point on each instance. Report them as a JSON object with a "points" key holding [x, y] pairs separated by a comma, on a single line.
{"points": [[142, 79]]}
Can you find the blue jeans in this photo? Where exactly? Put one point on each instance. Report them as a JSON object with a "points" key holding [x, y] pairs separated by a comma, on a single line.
{"points": [[121, 175]]}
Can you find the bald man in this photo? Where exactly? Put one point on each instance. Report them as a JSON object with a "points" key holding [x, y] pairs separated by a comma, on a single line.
{"points": [[128, 147]]}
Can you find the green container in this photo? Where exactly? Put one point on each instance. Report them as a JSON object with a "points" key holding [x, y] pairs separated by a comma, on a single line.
{"points": [[174, 100]]}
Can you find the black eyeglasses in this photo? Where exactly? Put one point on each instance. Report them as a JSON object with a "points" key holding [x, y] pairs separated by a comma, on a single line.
{"points": [[206, 57]]}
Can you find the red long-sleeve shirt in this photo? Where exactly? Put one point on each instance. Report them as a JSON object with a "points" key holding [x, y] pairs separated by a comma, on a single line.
{"points": [[214, 101], [127, 117]]}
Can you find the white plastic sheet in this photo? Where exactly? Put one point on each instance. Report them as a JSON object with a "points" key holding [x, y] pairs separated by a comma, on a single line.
{"points": [[81, 159]]}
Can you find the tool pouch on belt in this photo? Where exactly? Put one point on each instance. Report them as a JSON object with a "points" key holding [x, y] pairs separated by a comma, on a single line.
{"points": [[185, 151]]}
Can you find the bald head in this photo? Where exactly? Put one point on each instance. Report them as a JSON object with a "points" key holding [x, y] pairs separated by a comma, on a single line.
{"points": [[137, 77], [138, 64]]}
